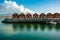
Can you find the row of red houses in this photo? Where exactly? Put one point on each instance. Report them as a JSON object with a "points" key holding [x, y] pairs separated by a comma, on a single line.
{"points": [[35, 15]]}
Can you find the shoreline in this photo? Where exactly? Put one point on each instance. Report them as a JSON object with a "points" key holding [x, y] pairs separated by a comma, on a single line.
{"points": [[5, 16]]}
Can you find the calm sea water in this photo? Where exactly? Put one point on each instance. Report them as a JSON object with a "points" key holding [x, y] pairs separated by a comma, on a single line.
{"points": [[29, 31]]}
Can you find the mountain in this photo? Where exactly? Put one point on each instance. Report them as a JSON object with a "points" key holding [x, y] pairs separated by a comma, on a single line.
{"points": [[5, 14]]}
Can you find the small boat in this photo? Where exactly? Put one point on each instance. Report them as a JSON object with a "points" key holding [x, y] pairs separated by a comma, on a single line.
{"points": [[53, 22]]}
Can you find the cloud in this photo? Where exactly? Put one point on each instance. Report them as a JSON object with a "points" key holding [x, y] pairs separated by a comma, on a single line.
{"points": [[13, 7]]}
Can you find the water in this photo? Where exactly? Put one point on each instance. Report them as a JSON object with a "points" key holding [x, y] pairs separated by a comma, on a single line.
{"points": [[29, 31]]}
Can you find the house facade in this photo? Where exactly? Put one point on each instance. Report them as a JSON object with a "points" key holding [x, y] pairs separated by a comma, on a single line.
{"points": [[28, 15], [56, 15], [21, 15], [35, 15], [15, 15], [49, 15], [42, 15]]}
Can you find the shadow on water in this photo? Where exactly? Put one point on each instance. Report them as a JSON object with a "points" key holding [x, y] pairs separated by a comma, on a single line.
{"points": [[41, 26]]}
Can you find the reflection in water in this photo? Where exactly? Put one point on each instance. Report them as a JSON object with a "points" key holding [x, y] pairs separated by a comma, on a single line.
{"points": [[21, 26], [18, 26], [50, 26], [41, 26], [28, 26], [15, 26], [57, 27], [32, 31], [35, 26]]}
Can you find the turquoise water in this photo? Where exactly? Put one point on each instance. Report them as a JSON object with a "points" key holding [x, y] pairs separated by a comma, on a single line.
{"points": [[29, 31]]}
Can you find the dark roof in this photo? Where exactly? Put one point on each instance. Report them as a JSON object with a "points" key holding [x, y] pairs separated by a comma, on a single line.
{"points": [[15, 14], [28, 14], [35, 14], [49, 14], [55, 13], [42, 14], [22, 14]]}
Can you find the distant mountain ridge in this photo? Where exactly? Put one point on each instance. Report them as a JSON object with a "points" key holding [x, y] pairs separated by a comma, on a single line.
{"points": [[5, 14]]}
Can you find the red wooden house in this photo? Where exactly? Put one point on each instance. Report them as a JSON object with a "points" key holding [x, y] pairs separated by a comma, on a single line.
{"points": [[21, 15], [42, 15], [15, 15], [49, 15], [56, 15], [28, 15], [35, 15]]}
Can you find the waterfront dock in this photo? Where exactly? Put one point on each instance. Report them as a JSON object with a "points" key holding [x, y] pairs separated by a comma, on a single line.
{"points": [[31, 20]]}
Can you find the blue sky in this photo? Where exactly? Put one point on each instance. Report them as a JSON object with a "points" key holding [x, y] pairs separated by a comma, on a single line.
{"points": [[40, 5]]}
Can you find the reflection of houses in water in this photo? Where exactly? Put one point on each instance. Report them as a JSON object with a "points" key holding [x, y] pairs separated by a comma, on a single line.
{"points": [[50, 26], [28, 26], [18, 26], [42, 26], [57, 27], [21, 27], [35, 26]]}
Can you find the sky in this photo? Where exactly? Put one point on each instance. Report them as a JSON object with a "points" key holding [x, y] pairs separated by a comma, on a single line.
{"points": [[31, 6]]}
